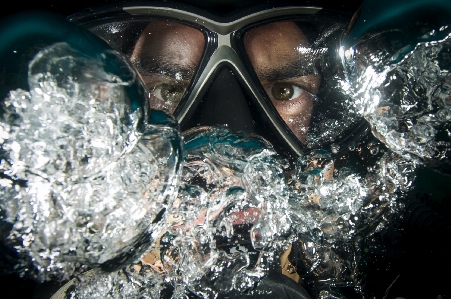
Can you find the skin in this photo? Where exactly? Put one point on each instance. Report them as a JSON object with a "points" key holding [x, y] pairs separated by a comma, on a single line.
{"points": [[273, 49], [174, 50]]}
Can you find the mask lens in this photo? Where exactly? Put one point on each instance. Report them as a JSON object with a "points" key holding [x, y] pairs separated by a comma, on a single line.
{"points": [[165, 54], [296, 65]]}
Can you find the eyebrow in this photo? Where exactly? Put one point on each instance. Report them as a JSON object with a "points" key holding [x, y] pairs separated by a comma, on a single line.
{"points": [[163, 66], [297, 68]]}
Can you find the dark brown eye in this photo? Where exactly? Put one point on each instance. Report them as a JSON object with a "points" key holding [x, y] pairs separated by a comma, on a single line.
{"points": [[172, 92], [282, 91]]}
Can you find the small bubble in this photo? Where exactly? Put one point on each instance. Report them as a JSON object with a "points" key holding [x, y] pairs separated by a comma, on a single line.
{"points": [[334, 148], [374, 149]]}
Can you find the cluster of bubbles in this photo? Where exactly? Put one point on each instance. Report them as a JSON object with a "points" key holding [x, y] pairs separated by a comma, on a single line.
{"points": [[226, 227], [403, 89], [235, 215], [83, 177]]}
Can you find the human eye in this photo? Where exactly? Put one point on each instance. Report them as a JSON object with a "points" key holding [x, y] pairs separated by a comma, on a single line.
{"points": [[165, 93], [292, 89], [284, 91]]}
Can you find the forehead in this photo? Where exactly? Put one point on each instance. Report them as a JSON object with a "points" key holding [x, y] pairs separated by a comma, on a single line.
{"points": [[160, 35], [275, 45], [277, 31], [169, 43]]}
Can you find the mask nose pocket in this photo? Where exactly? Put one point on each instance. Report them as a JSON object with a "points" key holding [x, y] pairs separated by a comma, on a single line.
{"points": [[224, 103]]}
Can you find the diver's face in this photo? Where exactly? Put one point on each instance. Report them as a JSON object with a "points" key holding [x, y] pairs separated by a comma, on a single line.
{"points": [[167, 54], [276, 52]]}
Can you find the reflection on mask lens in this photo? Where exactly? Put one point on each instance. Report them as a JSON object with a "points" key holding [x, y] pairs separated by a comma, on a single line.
{"points": [[165, 54]]}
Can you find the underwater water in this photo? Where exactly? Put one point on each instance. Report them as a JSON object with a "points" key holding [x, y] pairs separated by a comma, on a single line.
{"points": [[85, 185]]}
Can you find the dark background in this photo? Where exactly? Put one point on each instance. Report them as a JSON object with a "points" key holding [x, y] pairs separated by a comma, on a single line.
{"points": [[224, 6]]}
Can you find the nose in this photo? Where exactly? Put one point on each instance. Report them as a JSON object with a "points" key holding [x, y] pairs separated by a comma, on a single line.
{"points": [[225, 102]]}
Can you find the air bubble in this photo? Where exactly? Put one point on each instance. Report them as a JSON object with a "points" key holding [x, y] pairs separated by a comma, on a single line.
{"points": [[374, 149], [335, 148]]}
